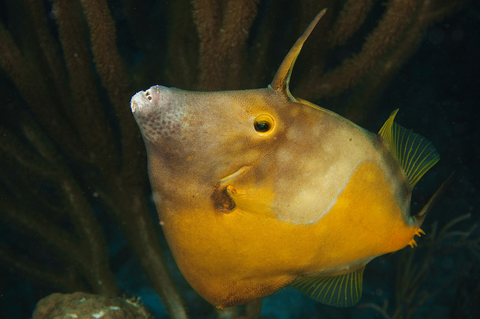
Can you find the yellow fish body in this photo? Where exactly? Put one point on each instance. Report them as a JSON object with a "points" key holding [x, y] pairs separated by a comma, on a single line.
{"points": [[257, 189]]}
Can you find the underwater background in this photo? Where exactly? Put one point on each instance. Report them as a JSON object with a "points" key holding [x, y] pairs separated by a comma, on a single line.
{"points": [[75, 204]]}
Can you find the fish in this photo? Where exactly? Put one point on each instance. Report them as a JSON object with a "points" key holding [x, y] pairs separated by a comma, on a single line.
{"points": [[257, 189]]}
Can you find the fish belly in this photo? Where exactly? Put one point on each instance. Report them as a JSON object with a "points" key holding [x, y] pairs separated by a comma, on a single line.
{"points": [[230, 259]]}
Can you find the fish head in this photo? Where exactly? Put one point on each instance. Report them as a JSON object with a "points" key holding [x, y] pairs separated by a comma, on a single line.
{"points": [[200, 138]]}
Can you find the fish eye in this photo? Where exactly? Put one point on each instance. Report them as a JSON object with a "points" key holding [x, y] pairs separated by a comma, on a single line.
{"points": [[263, 124]]}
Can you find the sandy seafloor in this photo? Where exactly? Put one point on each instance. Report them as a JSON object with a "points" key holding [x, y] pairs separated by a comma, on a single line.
{"points": [[438, 94]]}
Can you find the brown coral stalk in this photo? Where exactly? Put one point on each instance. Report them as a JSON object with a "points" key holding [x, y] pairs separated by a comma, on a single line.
{"points": [[352, 70], [351, 17], [112, 72], [222, 41], [35, 93], [86, 111], [49, 50]]}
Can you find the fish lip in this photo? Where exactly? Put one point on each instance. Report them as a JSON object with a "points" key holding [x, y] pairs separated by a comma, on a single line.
{"points": [[145, 107], [140, 101], [160, 113], [134, 101], [145, 101]]}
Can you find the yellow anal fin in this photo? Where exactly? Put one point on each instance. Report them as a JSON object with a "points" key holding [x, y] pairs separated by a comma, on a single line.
{"points": [[414, 152], [340, 291]]}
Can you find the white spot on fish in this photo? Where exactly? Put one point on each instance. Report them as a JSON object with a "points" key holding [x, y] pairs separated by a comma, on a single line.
{"points": [[156, 197]]}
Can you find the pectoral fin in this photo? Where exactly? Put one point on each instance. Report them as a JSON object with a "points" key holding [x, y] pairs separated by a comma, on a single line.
{"points": [[239, 192], [340, 290], [256, 201]]}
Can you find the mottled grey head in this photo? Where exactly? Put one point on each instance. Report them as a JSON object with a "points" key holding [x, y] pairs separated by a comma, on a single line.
{"points": [[159, 112]]}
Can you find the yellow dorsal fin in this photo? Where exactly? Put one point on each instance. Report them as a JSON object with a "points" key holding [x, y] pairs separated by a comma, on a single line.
{"points": [[281, 80], [340, 291], [414, 152]]}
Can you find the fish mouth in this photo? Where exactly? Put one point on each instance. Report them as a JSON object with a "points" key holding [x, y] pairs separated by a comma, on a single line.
{"points": [[159, 112], [145, 101]]}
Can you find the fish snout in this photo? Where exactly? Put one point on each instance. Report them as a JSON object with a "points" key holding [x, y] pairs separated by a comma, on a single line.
{"points": [[158, 112], [144, 102]]}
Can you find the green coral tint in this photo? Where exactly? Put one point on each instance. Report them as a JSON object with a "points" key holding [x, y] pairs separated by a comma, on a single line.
{"points": [[414, 152], [339, 291]]}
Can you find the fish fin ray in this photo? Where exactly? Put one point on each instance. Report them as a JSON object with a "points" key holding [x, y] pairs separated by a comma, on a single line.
{"points": [[414, 152], [282, 78], [251, 203], [340, 290]]}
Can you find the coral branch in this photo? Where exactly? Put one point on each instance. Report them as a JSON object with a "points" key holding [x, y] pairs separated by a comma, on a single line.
{"points": [[48, 277], [35, 93], [49, 50], [222, 41], [386, 34], [351, 17], [114, 78], [86, 111], [138, 227]]}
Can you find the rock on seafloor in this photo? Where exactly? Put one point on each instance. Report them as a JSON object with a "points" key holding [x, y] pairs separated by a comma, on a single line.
{"points": [[81, 305]]}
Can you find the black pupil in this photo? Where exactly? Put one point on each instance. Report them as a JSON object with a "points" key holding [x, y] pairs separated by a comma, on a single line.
{"points": [[262, 126]]}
